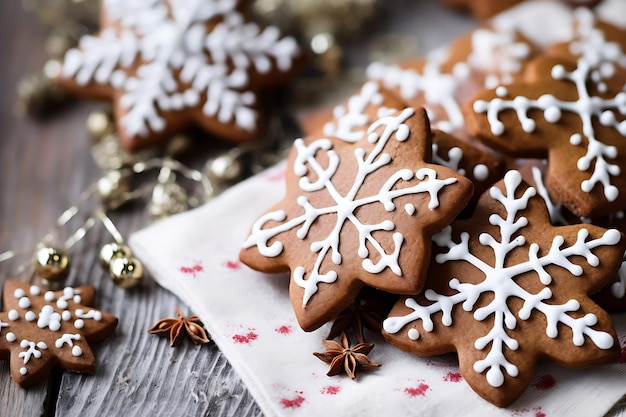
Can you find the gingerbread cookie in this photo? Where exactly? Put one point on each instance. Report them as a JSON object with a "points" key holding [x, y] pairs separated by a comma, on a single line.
{"points": [[168, 64], [41, 329], [357, 214], [565, 113], [507, 288]]}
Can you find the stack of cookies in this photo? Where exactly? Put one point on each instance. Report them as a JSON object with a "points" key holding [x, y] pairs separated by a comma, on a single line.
{"points": [[484, 185]]}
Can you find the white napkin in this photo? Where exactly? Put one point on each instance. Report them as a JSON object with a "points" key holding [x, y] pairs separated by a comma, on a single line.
{"points": [[249, 317]]}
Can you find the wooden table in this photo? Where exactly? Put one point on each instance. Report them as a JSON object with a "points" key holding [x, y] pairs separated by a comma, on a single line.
{"points": [[44, 166]]}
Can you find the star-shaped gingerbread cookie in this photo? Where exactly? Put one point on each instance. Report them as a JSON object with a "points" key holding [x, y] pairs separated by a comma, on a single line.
{"points": [[41, 329], [166, 64], [357, 214], [506, 288]]}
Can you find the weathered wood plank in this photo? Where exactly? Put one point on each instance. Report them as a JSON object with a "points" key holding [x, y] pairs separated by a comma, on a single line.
{"points": [[43, 168], [19, 50]]}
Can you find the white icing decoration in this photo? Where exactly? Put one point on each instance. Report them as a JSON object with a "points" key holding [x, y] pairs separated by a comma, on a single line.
{"points": [[481, 172], [91, 314], [590, 44], [618, 289], [181, 62], [69, 293], [352, 116], [30, 316], [79, 324], [23, 303], [413, 334], [455, 156], [437, 88], [66, 315], [346, 205], [49, 318], [77, 351], [500, 281], [10, 336], [502, 91], [555, 210], [613, 12], [34, 290], [498, 54], [542, 22], [586, 107], [33, 350], [19, 293], [13, 315], [67, 339], [23, 371], [49, 296], [409, 208]]}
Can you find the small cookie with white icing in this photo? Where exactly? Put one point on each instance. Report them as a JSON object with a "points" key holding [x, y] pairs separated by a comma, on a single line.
{"points": [[506, 288], [41, 329], [167, 64], [357, 213]]}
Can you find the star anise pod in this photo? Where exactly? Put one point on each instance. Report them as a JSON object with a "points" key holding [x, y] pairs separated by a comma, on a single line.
{"points": [[343, 358], [177, 327], [358, 315]]}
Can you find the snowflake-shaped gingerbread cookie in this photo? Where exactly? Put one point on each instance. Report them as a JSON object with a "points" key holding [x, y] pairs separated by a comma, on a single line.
{"points": [[507, 288], [41, 329], [169, 63], [357, 213]]}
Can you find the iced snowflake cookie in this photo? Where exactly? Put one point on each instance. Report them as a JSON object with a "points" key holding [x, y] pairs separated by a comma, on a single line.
{"points": [[569, 116], [41, 329], [357, 214], [506, 288], [170, 63]]}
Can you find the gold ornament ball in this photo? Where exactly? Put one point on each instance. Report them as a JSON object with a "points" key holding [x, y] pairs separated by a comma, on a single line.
{"points": [[126, 272], [52, 264], [111, 251], [99, 124]]}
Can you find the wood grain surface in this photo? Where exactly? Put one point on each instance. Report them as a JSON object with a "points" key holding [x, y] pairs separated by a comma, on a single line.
{"points": [[44, 166]]}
